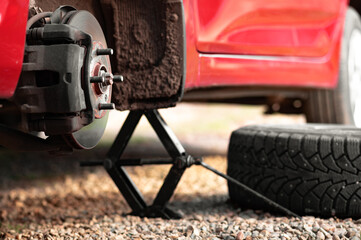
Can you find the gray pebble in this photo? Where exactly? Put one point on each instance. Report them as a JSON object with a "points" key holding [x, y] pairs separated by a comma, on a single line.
{"points": [[255, 234], [355, 238]]}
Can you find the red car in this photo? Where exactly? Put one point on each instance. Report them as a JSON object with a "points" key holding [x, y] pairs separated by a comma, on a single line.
{"points": [[57, 77]]}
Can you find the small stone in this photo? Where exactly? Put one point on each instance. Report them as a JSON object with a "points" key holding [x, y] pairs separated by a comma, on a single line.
{"points": [[240, 236], [307, 228], [358, 221], [19, 204], [315, 229], [295, 232], [285, 236], [48, 237], [174, 236], [351, 233], [219, 229], [143, 236], [228, 238], [340, 232], [198, 217], [204, 229], [259, 227], [255, 234], [195, 233], [190, 229], [328, 227], [355, 238], [269, 228], [275, 235], [264, 233], [320, 235], [3, 214]]}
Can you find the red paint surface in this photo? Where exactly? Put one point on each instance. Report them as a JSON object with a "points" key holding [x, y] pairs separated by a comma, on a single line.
{"points": [[294, 72], [278, 27], [13, 17], [305, 35]]}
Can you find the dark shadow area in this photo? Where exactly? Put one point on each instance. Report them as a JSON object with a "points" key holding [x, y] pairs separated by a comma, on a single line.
{"points": [[19, 166]]}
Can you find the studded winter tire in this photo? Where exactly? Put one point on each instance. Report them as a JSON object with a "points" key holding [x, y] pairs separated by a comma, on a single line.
{"points": [[310, 169]]}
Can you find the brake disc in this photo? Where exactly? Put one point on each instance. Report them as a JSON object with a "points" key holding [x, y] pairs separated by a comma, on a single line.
{"points": [[90, 135]]}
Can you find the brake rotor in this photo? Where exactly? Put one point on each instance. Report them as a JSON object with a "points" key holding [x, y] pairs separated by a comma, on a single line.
{"points": [[89, 136]]}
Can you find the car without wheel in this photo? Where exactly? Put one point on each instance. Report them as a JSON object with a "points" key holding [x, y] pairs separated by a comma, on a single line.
{"points": [[66, 63]]}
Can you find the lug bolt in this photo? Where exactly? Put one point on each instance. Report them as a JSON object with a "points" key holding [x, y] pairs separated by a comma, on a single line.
{"points": [[106, 106], [107, 51], [97, 79], [118, 78]]}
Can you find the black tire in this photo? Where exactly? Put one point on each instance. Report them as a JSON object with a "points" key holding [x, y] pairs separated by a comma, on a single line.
{"points": [[334, 106], [310, 169]]}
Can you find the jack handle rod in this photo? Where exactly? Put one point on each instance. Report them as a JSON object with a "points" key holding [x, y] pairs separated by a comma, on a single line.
{"points": [[247, 189]]}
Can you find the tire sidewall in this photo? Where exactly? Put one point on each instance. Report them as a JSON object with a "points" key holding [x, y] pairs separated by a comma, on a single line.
{"points": [[352, 22]]}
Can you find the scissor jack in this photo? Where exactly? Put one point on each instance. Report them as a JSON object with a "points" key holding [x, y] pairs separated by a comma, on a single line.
{"points": [[179, 159]]}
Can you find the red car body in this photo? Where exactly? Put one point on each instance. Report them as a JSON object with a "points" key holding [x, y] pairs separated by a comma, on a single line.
{"points": [[13, 17], [229, 43], [257, 42]]}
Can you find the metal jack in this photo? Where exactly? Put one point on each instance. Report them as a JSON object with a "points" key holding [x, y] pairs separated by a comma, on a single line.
{"points": [[178, 158]]}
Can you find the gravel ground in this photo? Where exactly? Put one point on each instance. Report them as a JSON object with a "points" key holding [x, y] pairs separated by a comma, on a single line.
{"points": [[43, 197]]}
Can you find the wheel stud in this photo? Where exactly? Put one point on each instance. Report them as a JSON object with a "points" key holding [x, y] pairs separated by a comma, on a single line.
{"points": [[107, 51], [109, 79], [97, 79], [106, 106], [118, 78]]}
